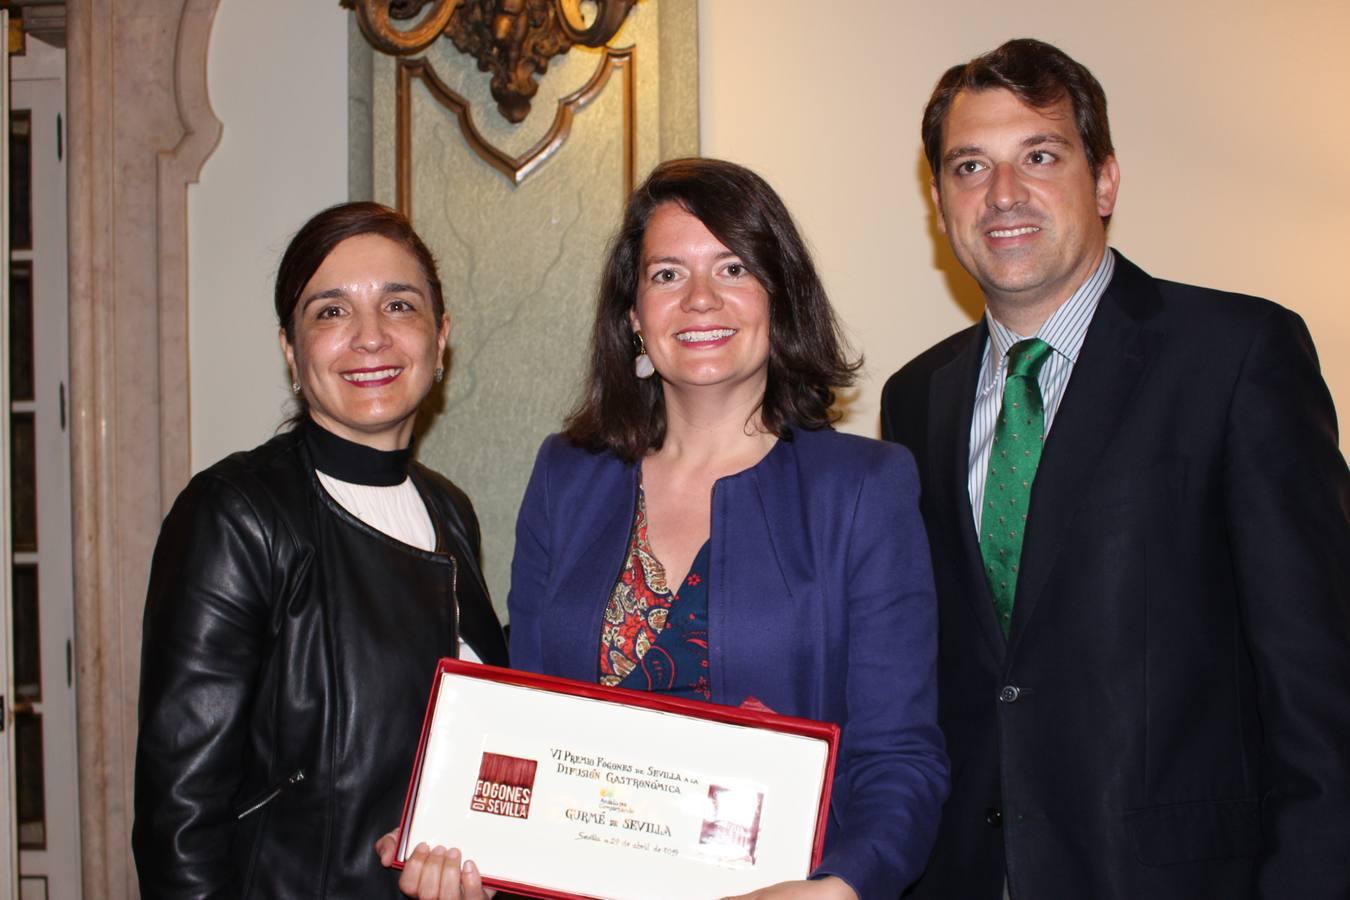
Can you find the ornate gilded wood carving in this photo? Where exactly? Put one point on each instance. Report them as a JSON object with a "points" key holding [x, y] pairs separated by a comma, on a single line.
{"points": [[516, 168], [512, 39]]}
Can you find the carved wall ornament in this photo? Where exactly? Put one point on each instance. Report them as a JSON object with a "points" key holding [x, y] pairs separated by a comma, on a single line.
{"points": [[516, 168], [512, 39]]}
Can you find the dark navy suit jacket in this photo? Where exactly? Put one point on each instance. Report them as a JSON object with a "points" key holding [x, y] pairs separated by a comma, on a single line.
{"points": [[1170, 716], [821, 605]]}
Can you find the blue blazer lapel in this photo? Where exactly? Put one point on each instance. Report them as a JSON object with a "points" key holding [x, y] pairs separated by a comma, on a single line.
{"points": [[591, 560], [1112, 361], [951, 406]]}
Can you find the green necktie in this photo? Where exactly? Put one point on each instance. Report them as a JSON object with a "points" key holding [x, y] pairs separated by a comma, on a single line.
{"points": [[1016, 452]]}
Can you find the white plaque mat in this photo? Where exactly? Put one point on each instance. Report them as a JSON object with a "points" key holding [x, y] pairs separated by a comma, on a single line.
{"points": [[622, 801]]}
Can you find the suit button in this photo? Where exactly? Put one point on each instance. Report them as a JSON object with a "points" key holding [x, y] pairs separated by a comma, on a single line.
{"points": [[994, 816], [1009, 694]]}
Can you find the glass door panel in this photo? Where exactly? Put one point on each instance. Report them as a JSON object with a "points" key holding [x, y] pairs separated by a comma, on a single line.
{"points": [[21, 331], [20, 180]]}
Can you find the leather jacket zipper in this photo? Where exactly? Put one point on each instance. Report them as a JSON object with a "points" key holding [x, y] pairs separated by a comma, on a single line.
{"points": [[272, 793]]}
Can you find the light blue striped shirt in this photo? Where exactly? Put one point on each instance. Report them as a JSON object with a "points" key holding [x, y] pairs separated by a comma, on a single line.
{"points": [[1064, 331]]}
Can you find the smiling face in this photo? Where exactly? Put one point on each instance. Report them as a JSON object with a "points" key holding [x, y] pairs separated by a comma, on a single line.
{"points": [[366, 342], [703, 317], [1019, 203]]}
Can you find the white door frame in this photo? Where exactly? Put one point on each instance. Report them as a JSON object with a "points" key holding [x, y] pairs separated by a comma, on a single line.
{"points": [[9, 860], [37, 82]]}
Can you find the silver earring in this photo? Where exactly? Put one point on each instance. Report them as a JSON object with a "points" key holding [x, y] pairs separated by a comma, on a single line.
{"points": [[642, 366], [295, 388], [438, 374]]}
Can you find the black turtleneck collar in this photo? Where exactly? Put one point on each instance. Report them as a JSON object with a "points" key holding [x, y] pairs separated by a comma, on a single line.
{"points": [[352, 462]]}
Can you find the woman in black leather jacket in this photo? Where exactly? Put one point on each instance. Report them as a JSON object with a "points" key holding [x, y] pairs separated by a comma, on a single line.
{"points": [[302, 592]]}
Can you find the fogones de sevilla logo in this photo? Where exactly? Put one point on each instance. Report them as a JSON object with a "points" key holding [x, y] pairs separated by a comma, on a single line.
{"points": [[504, 786]]}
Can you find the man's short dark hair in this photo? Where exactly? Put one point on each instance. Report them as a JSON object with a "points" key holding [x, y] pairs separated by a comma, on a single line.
{"points": [[1039, 75]]}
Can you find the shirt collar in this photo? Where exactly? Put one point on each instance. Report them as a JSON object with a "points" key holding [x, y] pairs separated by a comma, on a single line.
{"points": [[1064, 331]]}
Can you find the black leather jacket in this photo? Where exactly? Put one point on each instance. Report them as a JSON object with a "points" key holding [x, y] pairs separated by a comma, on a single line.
{"points": [[288, 652]]}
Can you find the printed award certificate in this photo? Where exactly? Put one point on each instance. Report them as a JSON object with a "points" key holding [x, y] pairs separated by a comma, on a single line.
{"points": [[558, 788]]}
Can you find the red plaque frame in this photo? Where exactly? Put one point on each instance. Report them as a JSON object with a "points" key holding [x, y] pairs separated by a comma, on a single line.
{"points": [[506, 799]]}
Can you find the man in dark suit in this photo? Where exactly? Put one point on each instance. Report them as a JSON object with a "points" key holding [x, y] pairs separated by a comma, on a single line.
{"points": [[1140, 526]]}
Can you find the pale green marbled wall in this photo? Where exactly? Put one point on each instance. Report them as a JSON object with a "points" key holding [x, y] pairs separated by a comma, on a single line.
{"points": [[520, 263]]}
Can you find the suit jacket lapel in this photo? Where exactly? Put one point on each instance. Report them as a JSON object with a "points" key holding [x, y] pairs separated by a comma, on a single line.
{"points": [[1110, 364], [951, 406]]}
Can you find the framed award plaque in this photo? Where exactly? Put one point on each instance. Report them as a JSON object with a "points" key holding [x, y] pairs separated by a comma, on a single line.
{"points": [[558, 788]]}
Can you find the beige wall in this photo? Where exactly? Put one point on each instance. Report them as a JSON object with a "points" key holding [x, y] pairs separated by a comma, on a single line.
{"points": [[1227, 117], [281, 92]]}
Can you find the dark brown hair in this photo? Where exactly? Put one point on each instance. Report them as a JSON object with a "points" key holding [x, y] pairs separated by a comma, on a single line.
{"points": [[807, 358], [1040, 75], [321, 234]]}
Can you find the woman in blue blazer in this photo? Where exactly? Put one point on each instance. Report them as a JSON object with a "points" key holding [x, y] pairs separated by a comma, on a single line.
{"points": [[700, 531]]}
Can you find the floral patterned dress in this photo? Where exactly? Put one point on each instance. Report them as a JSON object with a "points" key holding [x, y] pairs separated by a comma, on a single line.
{"points": [[653, 638]]}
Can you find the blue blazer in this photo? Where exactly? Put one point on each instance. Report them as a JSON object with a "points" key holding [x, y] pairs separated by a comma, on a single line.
{"points": [[821, 605]]}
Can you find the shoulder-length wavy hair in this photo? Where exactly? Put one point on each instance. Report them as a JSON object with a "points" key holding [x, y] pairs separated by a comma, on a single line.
{"points": [[808, 361]]}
